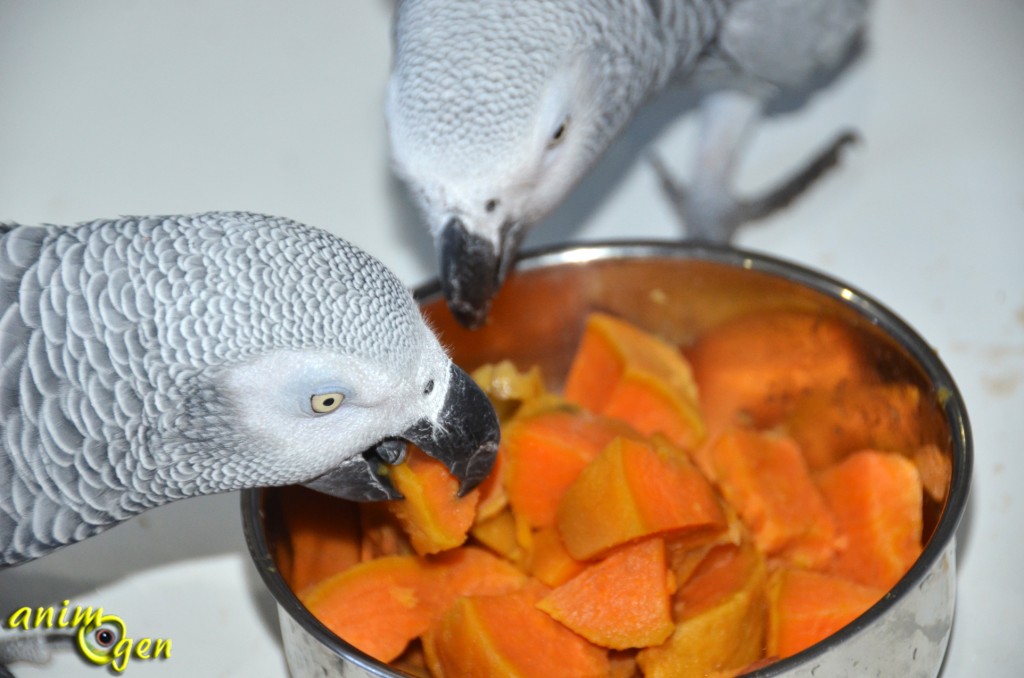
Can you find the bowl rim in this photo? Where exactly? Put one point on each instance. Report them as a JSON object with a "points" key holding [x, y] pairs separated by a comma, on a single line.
{"points": [[954, 408]]}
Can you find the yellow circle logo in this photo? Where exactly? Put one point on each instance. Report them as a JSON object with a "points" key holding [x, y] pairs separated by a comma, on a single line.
{"points": [[97, 641]]}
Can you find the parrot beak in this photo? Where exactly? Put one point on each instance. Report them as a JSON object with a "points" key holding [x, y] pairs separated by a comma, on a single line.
{"points": [[472, 269], [464, 437]]}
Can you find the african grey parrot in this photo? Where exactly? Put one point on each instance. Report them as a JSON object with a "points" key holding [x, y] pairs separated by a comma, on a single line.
{"points": [[497, 108], [149, 359]]}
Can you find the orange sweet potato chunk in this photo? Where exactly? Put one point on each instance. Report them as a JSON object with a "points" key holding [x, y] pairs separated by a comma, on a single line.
{"points": [[377, 606], [469, 571], [622, 371], [633, 490], [828, 425], [935, 469], [649, 405], [806, 607], [765, 478], [723, 620], [380, 605], [324, 536], [498, 533], [380, 532], [486, 636], [549, 561], [544, 453], [752, 369], [432, 513], [620, 602], [877, 500]]}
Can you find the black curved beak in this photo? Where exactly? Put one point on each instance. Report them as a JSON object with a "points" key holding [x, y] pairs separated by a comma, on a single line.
{"points": [[472, 269], [464, 438]]}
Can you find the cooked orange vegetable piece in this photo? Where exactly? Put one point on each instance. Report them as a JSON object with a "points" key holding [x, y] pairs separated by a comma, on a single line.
{"points": [[828, 425], [382, 604], [324, 536], [650, 406], [620, 602], [936, 470], [432, 513], [377, 606], [493, 499], [549, 561], [486, 636], [753, 368], [765, 478], [622, 371], [507, 386], [806, 606], [877, 500], [723, 618], [498, 533], [380, 532], [469, 571], [545, 452], [633, 490]]}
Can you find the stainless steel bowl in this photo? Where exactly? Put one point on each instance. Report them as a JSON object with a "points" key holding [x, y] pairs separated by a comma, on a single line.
{"points": [[677, 290]]}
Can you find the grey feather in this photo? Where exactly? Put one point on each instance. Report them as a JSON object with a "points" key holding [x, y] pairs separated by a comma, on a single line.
{"points": [[117, 340], [497, 109]]}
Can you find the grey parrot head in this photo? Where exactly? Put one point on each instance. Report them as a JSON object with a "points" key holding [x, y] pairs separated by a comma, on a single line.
{"points": [[299, 358], [494, 113], [145, 360]]}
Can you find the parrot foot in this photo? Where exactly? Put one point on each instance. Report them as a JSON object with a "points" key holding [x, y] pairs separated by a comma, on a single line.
{"points": [[710, 213]]}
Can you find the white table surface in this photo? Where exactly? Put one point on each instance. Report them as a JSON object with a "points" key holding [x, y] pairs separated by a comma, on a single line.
{"points": [[169, 106]]}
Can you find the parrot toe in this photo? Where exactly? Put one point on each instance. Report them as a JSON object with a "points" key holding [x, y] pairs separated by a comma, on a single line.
{"points": [[711, 213]]}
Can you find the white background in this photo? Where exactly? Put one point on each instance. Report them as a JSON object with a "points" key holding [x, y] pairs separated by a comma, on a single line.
{"points": [[169, 106]]}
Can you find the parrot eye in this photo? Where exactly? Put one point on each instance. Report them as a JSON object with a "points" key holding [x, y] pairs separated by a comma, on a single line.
{"points": [[491, 205], [429, 387], [559, 133], [323, 403]]}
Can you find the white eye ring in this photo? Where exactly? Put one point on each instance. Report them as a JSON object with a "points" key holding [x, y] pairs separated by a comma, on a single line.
{"points": [[324, 403]]}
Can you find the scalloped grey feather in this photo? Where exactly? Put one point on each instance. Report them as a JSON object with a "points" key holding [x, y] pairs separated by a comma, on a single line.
{"points": [[112, 334]]}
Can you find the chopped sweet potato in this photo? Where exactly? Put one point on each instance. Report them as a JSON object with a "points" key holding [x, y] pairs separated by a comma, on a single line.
{"points": [[828, 425], [324, 536], [549, 561], [485, 636], [752, 369], [765, 478], [935, 469], [500, 534], [432, 513], [493, 499], [876, 498], [545, 452], [634, 490], [723, 621], [622, 371], [469, 571], [806, 606], [380, 533], [620, 602], [508, 387], [599, 545], [378, 606]]}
